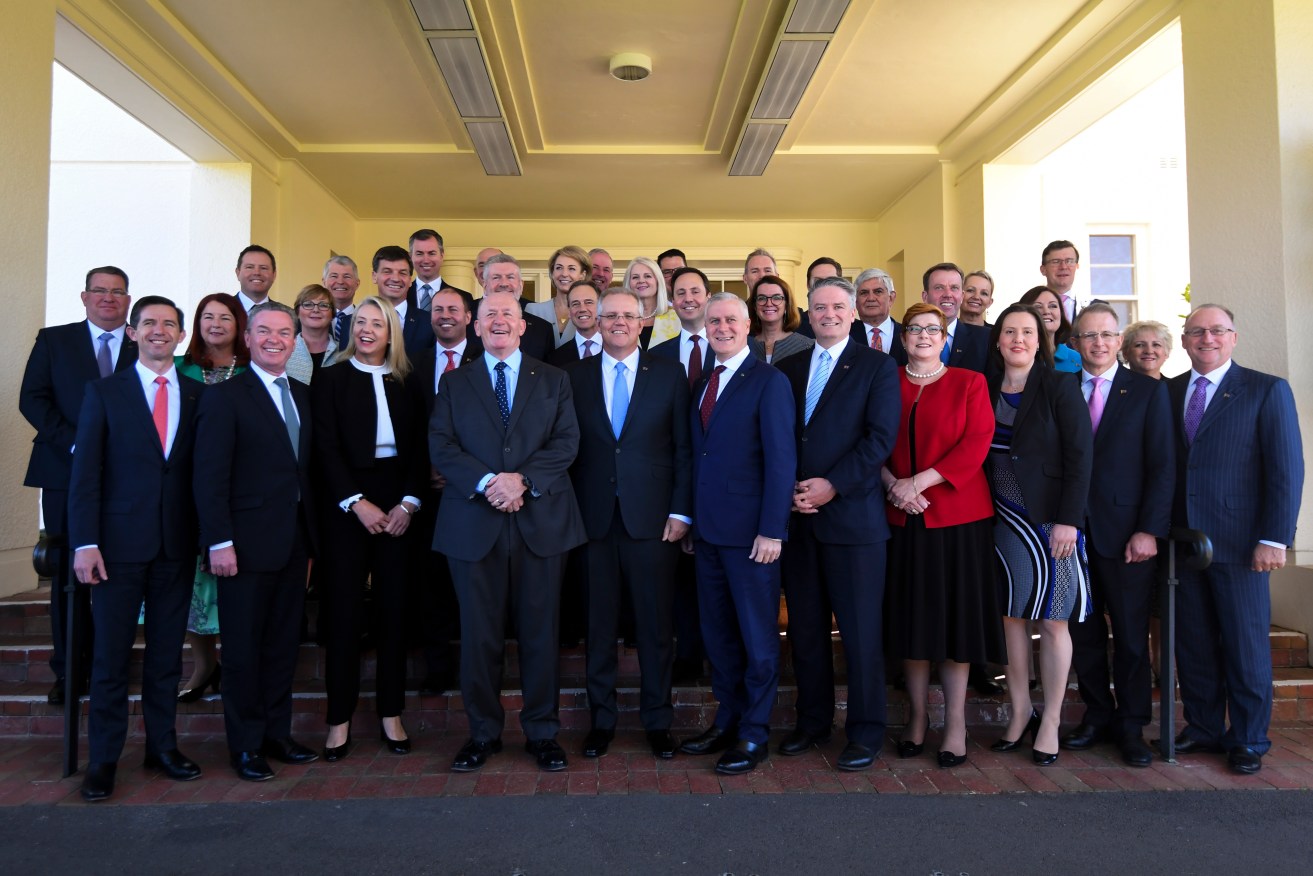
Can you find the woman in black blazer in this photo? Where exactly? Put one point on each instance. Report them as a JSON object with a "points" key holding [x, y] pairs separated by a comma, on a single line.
{"points": [[1039, 472], [369, 451]]}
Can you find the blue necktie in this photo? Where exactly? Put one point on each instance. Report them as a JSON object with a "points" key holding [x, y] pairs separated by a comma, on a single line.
{"points": [[944, 353], [817, 385], [503, 400], [342, 327], [426, 296], [619, 399]]}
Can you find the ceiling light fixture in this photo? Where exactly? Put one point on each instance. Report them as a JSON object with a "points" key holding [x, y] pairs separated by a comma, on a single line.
{"points": [[631, 67]]}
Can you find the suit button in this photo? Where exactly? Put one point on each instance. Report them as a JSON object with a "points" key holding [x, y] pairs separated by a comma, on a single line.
{"points": [[804, 439], [617, 451], [613, 480], [506, 450]]}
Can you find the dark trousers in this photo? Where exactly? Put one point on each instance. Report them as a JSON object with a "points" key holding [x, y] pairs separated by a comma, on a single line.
{"points": [[351, 556], [510, 580], [165, 586], [1125, 591], [644, 570], [432, 612], [1223, 658], [54, 508], [740, 604], [260, 616], [848, 581], [688, 626]]}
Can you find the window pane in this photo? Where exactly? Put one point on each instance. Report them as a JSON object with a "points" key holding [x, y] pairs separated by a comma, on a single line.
{"points": [[1112, 281], [1111, 249]]}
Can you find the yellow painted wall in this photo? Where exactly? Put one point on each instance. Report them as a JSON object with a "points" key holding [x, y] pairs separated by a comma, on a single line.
{"points": [[312, 224], [912, 237]]}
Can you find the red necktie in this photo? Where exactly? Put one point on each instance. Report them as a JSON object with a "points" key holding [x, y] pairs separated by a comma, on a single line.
{"points": [[451, 361], [877, 340], [695, 362], [709, 399], [161, 412]]}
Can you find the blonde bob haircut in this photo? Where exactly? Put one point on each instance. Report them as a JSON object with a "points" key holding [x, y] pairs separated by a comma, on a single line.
{"points": [[662, 305], [396, 360]]}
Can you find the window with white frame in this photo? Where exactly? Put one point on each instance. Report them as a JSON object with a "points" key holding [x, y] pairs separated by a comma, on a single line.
{"points": [[1112, 273]]}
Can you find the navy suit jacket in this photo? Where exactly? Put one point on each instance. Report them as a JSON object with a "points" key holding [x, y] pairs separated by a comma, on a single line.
{"points": [[647, 471], [416, 328], [62, 363], [744, 460], [467, 441], [849, 437], [899, 352], [970, 347], [669, 349], [251, 488], [1241, 480], [124, 496], [424, 367], [1134, 464]]}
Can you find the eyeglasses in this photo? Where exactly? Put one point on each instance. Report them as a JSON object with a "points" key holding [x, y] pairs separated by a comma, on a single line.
{"points": [[117, 293], [1067, 262], [770, 299], [1216, 331], [316, 305], [618, 317], [933, 331], [1102, 336]]}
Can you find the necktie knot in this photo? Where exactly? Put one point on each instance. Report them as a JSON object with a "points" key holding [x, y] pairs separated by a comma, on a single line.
{"points": [[451, 360], [588, 350], [161, 381]]}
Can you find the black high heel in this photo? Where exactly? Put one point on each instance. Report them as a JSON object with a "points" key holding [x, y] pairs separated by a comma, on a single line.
{"points": [[396, 746], [1044, 758], [1031, 729], [908, 749], [336, 753], [191, 695]]}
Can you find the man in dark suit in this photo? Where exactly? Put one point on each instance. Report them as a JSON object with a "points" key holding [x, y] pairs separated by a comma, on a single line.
{"points": [[504, 434], [688, 298], [391, 278], [501, 273], [743, 466], [253, 492], [1129, 510], [342, 279], [847, 405], [874, 327], [256, 271], [427, 255], [1239, 476], [968, 345], [632, 478], [63, 360], [587, 341], [132, 523], [437, 614]]}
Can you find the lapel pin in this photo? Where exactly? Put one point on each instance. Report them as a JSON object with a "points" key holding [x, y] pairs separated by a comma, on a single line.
{"points": [[1122, 392], [1226, 395]]}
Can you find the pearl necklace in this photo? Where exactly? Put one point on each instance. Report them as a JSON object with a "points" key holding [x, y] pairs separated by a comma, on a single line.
{"points": [[938, 371]]}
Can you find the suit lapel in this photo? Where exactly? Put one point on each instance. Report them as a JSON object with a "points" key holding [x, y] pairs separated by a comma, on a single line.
{"points": [[838, 372], [525, 385], [129, 389], [263, 402], [597, 405], [734, 383], [1232, 385], [1118, 397], [1028, 395], [642, 388]]}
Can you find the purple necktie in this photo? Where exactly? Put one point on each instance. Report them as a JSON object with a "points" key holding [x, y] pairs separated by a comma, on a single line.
{"points": [[1096, 403], [1194, 411]]}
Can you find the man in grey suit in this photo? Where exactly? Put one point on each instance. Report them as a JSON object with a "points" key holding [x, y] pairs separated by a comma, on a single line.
{"points": [[1239, 475], [507, 520]]}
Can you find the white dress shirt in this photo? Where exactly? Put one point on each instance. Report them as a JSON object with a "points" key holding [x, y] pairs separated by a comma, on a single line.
{"points": [[385, 437], [115, 342], [441, 356], [686, 346], [835, 352], [596, 340], [732, 364]]}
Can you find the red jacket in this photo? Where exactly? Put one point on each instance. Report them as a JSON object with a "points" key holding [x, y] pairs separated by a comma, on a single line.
{"points": [[954, 426]]}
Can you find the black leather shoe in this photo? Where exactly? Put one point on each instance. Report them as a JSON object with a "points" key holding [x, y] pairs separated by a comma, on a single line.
{"points": [[980, 681], [1135, 751], [662, 743], [1085, 736], [1043, 758], [251, 766], [173, 764], [396, 746], [597, 742], [710, 741], [550, 755], [56, 698], [800, 741], [1190, 745], [338, 752], [742, 758], [288, 751], [1244, 760], [855, 756], [98, 783], [948, 760], [474, 754], [435, 684]]}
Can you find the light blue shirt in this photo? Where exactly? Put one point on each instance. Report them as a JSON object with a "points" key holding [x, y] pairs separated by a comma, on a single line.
{"points": [[115, 342]]}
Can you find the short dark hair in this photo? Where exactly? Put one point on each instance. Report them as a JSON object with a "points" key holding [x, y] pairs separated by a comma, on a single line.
{"points": [[824, 260], [425, 234], [580, 284], [466, 298], [688, 269], [1056, 245], [1043, 354], [942, 266], [672, 253], [106, 269], [149, 300], [255, 247], [392, 253]]}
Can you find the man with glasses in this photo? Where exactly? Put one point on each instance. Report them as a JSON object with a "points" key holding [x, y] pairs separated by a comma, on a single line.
{"points": [[63, 360], [1059, 264], [633, 480], [1239, 476], [1129, 510]]}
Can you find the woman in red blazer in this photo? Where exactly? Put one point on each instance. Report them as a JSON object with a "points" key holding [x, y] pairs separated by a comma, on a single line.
{"points": [[941, 598]]}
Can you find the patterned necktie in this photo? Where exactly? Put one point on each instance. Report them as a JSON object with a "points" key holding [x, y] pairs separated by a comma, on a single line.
{"points": [[103, 361], [709, 397], [1194, 411], [1096, 402], [341, 325], [588, 350], [619, 399], [160, 414], [503, 399], [451, 361], [289, 416], [877, 340], [817, 385], [695, 362], [425, 296]]}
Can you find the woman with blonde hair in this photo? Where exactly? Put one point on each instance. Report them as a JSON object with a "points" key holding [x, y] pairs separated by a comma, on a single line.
{"points": [[567, 266], [644, 278], [1145, 347]]}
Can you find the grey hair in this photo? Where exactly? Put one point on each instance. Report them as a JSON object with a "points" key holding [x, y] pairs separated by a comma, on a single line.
{"points": [[837, 283], [875, 274], [500, 258], [729, 296], [341, 260]]}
